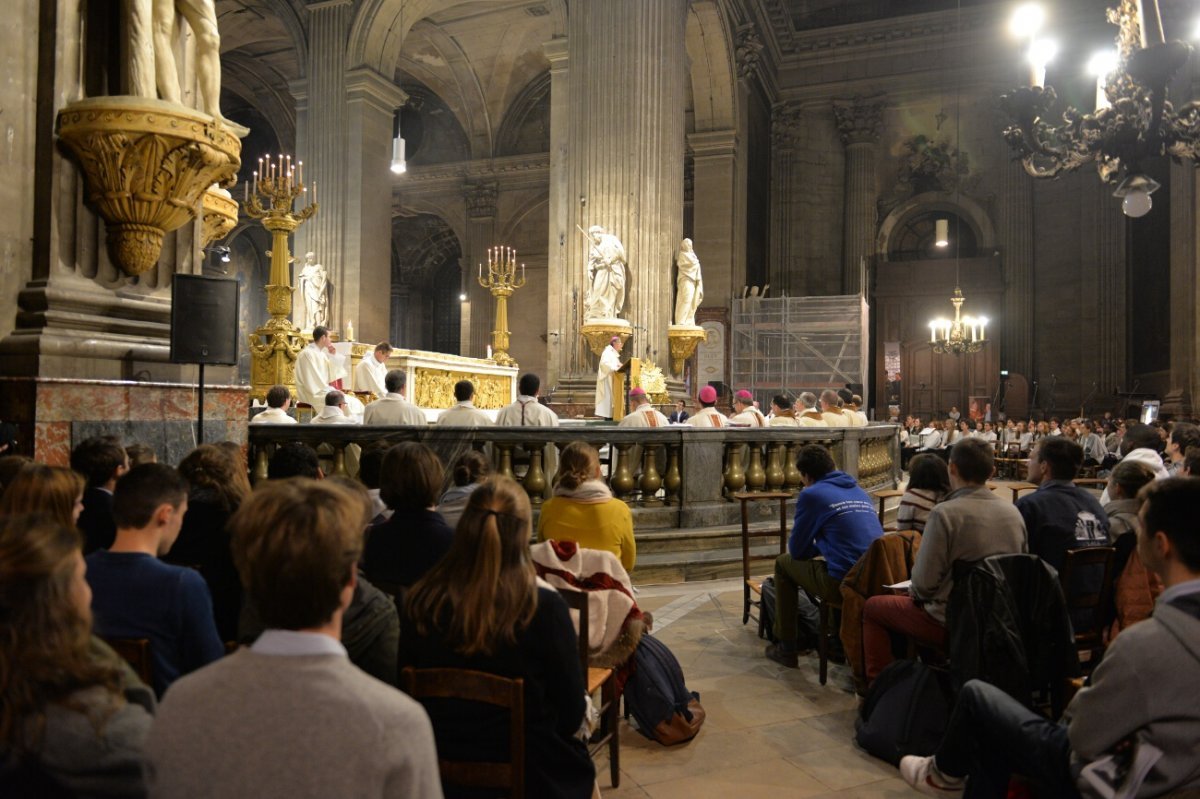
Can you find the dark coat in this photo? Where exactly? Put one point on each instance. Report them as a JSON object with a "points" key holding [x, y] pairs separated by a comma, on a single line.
{"points": [[402, 549], [96, 520]]}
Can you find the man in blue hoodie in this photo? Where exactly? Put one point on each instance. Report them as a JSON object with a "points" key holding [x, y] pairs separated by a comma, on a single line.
{"points": [[835, 523]]}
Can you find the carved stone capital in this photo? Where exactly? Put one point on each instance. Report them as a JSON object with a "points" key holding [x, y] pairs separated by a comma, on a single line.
{"points": [[748, 51], [481, 200], [859, 120], [785, 124]]}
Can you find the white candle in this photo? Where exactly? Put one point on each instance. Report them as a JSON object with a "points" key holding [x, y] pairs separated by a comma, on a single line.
{"points": [[300, 172], [1101, 97], [314, 192], [932, 332]]}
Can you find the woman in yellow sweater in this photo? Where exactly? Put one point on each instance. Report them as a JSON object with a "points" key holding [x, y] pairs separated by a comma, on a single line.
{"points": [[583, 509]]}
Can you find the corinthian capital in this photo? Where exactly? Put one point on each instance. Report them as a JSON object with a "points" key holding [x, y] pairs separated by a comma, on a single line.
{"points": [[859, 119], [785, 124], [748, 51], [481, 200]]}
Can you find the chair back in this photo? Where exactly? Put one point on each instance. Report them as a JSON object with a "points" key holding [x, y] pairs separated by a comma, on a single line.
{"points": [[578, 601], [477, 686], [1087, 582], [135, 652]]}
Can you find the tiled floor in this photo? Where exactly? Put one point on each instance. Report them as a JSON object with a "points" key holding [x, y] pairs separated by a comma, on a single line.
{"points": [[770, 732]]}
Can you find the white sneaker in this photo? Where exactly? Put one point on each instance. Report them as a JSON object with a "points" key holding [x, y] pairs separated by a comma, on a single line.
{"points": [[921, 773]]}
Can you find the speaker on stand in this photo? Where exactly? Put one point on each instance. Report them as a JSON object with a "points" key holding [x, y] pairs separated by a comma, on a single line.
{"points": [[204, 327]]}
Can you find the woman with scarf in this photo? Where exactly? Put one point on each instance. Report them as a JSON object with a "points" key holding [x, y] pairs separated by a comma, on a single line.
{"points": [[583, 509]]}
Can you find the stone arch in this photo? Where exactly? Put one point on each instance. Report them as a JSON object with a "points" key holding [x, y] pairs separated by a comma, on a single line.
{"points": [[710, 67], [431, 129], [525, 129], [457, 85], [964, 207], [425, 309]]}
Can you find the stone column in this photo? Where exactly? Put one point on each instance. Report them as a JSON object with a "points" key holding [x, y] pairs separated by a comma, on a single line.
{"points": [[858, 121], [1015, 230], [1112, 295], [563, 285], [785, 128], [481, 221], [625, 140], [1178, 400], [714, 159]]}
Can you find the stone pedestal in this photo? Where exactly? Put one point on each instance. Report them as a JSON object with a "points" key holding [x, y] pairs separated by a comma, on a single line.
{"points": [[598, 332], [683, 339]]}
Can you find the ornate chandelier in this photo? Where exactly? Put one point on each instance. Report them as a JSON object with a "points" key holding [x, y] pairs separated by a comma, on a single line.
{"points": [[966, 334], [1133, 120]]}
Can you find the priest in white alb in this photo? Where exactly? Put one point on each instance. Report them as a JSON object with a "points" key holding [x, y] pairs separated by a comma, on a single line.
{"points": [[610, 362], [371, 370], [317, 366]]}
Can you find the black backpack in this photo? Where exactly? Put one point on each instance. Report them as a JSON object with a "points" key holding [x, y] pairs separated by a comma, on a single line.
{"points": [[658, 699], [905, 712]]}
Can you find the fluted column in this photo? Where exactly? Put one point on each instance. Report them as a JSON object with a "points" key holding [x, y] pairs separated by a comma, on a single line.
{"points": [[625, 143], [858, 122], [563, 284], [1016, 241], [481, 220], [714, 159], [1112, 294], [1179, 400], [785, 127]]}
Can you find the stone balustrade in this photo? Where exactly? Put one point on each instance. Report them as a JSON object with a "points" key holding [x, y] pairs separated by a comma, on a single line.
{"points": [[671, 477]]}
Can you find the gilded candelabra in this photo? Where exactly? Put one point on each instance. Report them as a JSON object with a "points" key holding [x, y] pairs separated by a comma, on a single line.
{"points": [[965, 335], [502, 280], [275, 345]]}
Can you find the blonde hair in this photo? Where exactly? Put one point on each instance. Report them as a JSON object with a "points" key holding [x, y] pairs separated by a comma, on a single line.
{"points": [[577, 464], [484, 591]]}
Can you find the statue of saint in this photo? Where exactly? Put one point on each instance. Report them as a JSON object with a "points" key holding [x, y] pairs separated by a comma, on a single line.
{"points": [[606, 276], [689, 285], [314, 289]]}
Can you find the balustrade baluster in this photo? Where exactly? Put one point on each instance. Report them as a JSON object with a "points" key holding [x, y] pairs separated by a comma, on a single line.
{"points": [[775, 458], [735, 475], [622, 479], [756, 478], [651, 480], [791, 475], [260, 462], [504, 467], [339, 460], [535, 477], [672, 482]]}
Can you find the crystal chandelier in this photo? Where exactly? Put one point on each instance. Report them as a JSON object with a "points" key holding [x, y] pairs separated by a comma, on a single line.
{"points": [[966, 334], [1133, 120]]}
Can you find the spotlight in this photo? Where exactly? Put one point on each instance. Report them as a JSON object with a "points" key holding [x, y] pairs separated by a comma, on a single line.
{"points": [[1026, 20], [462, 297]]}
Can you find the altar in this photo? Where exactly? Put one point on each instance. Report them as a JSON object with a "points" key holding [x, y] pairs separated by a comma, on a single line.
{"points": [[430, 377]]}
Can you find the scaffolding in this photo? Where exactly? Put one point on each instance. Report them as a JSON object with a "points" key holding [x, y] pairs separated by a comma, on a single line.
{"points": [[787, 345]]}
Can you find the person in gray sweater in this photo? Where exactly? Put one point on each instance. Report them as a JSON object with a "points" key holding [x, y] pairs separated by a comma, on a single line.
{"points": [[1133, 730], [970, 524], [291, 716]]}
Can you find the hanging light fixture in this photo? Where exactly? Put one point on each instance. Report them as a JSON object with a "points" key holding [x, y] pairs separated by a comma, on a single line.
{"points": [[399, 167], [941, 233]]}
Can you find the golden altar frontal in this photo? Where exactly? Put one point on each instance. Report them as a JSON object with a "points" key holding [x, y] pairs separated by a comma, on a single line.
{"points": [[431, 377]]}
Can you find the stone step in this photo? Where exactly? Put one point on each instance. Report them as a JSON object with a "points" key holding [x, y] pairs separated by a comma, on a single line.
{"points": [[712, 564], [708, 538]]}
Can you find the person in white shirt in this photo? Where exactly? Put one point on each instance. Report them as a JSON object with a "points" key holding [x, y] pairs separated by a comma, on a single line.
{"points": [[394, 408], [464, 414], [745, 414], [643, 414], [856, 407], [370, 372], [317, 366], [278, 401], [708, 415], [610, 361], [335, 410], [831, 411], [527, 411], [782, 414]]}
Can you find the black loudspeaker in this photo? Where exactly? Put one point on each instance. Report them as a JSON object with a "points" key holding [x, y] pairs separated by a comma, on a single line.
{"points": [[204, 320]]}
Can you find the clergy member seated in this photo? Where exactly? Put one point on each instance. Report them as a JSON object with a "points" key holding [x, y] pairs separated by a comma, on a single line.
{"points": [[136, 595], [370, 372], [317, 366], [101, 461], [1135, 721], [708, 415], [464, 414], [744, 412], [679, 415], [394, 408], [527, 411], [335, 410], [642, 414], [290, 715], [279, 399], [782, 414], [831, 410], [807, 412]]}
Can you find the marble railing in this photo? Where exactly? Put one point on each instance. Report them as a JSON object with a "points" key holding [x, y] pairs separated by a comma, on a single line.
{"points": [[681, 468]]}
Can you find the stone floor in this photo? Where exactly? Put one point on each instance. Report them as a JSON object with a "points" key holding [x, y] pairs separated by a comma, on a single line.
{"points": [[770, 732]]}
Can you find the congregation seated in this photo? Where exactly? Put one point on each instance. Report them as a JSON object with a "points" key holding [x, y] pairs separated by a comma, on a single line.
{"points": [[1143, 443], [1134, 586], [1183, 436], [294, 459], [1140, 707], [482, 609], [928, 484], [136, 595], [73, 714], [584, 510], [290, 715], [217, 485], [54, 491], [101, 461], [139, 453], [970, 524], [279, 399], [835, 523], [1059, 515], [401, 549], [369, 466], [9, 466], [469, 471], [680, 414]]}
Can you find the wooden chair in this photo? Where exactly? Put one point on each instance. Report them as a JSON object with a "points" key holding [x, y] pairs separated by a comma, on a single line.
{"points": [[883, 496], [755, 584], [135, 652], [1078, 564], [603, 679], [827, 631], [477, 686], [304, 412]]}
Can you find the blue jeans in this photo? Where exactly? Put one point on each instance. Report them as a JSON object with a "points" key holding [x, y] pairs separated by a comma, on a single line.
{"points": [[991, 736]]}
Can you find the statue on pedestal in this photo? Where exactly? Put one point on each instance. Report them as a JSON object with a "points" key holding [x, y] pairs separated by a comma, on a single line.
{"points": [[606, 275], [314, 290], [689, 285]]}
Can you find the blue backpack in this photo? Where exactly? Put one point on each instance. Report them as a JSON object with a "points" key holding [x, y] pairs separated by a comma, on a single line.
{"points": [[656, 697]]}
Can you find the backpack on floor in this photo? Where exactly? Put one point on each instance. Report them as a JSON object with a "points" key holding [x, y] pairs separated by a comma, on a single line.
{"points": [[658, 699], [905, 712]]}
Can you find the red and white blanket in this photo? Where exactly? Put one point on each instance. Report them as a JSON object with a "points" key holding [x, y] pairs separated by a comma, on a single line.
{"points": [[615, 624]]}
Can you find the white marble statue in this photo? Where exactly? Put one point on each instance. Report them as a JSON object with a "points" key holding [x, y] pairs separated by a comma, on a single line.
{"points": [[153, 66], [606, 276], [689, 285], [314, 290]]}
